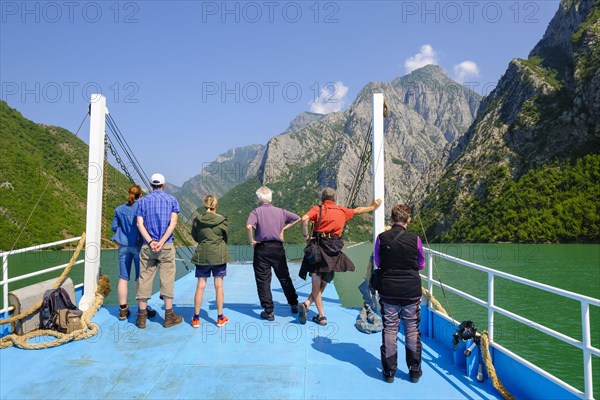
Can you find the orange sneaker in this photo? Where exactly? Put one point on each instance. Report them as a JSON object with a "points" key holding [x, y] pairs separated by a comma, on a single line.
{"points": [[222, 320], [195, 322]]}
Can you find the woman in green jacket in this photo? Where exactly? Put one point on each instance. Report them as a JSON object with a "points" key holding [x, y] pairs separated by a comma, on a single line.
{"points": [[211, 256]]}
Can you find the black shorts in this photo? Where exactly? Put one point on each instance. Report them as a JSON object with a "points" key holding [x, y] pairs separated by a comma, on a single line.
{"points": [[326, 276]]}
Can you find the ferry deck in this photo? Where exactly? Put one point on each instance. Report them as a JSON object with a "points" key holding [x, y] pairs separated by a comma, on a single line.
{"points": [[249, 358]]}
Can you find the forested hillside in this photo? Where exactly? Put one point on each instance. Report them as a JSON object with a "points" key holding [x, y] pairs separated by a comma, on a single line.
{"points": [[43, 183], [528, 168]]}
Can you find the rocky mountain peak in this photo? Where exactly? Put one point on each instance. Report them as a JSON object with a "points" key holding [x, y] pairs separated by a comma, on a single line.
{"points": [[424, 116], [425, 75], [303, 119], [544, 111]]}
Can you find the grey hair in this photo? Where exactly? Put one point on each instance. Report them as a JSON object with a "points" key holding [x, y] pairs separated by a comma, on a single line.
{"points": [[264, 195], [328, 194]]}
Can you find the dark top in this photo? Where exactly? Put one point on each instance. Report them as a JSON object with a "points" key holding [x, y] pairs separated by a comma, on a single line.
{"points": [[400, 279]]}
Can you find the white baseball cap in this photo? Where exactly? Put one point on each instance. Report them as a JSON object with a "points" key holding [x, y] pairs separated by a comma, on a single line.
{"points": [[158, 179]]}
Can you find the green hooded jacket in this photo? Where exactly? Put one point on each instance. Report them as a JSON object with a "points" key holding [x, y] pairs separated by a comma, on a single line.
{"points": [[210, 231]]}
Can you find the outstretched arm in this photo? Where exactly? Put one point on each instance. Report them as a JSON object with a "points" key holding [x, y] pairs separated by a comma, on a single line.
{"points": [[369, 208]]}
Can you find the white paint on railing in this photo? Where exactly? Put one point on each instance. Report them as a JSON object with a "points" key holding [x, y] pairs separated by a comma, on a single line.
{"points": [[587, 354], [584, 345], [5, 280], [39, 247], [42, 272]]}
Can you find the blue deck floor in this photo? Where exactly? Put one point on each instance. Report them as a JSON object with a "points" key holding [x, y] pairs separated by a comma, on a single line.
{"points": [[247, 359]]}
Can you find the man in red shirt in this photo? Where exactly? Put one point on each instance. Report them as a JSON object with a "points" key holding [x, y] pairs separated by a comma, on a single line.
{"points": [[328, 223]]}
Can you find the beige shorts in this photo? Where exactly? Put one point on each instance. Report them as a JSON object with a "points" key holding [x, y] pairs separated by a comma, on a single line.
{"points": [[149, 261]]}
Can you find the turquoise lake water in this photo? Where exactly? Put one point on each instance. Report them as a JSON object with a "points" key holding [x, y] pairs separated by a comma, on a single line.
{"points": [[574, 268]]}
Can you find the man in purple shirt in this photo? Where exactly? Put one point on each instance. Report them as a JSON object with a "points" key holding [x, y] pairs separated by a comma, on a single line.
{"points": [[265, 227], [399, 255]]}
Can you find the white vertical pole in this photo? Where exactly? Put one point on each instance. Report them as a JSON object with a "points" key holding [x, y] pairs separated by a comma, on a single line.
{"points": [[378, 165], [5, 280], [430, 273], [491, 306], [587, 355], [94, 200]]}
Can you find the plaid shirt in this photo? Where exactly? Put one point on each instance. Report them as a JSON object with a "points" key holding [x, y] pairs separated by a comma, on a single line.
{"points": [[156, 209]]}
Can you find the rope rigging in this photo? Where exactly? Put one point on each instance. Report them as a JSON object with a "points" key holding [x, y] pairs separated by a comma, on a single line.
{"points": [[364, 160], [114, 129]]}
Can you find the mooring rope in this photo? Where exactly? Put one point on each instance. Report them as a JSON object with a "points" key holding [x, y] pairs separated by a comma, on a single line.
{"points": [[88, 329], [485, 350], [436, 304], [57, 284], [487, 359]]}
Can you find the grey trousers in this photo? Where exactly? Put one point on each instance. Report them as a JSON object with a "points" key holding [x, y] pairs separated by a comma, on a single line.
{"points": [[411, 317]]}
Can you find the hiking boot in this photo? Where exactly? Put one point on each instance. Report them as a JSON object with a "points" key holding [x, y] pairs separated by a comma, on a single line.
{"points": [[140, 322], [171, 319], [302, 311], [294, 308], [388, 378], [222, 320], [195, 322], [124, 313], [415, 375], [267, 316], [151, 312]]}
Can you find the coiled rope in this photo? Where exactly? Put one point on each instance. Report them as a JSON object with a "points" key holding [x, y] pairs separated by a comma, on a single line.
{"points": [[485, 350], [88, 329]]}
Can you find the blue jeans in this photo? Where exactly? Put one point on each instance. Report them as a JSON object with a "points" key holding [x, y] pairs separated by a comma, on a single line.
{"points": [[410, 316], [128, 254]]}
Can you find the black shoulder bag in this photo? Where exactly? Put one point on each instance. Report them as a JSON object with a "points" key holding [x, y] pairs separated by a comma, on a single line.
{"points": [[312, 251], [376, 273]]}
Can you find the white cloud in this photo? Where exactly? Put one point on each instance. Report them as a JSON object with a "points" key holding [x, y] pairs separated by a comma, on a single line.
{"points": [[465, 70], [331, 98], [427, 55]]}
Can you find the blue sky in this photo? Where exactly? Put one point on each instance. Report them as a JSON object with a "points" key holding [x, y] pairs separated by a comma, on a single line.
{"points": [[188, 80]]}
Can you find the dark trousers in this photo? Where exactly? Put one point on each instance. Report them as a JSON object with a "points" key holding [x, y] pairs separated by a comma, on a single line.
{"points": [[411, 317], [267, 255]]}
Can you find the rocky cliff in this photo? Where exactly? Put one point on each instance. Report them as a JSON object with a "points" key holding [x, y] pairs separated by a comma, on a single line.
{"points": [[427, 110], [229, 170], [544, 110]]}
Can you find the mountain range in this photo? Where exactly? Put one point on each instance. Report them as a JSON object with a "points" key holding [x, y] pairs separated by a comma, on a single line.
{"points": [[528, 168], [520, 165]]}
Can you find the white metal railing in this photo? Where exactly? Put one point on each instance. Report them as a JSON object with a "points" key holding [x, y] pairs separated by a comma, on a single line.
{"points": [[6, 280], [585, 344]]}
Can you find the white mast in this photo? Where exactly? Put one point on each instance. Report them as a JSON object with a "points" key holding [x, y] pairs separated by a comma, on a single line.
{"points": [[98, 113], [378, 164]]}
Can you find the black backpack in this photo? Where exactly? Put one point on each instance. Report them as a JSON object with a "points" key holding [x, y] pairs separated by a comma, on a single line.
{"points": [[54, 301]]}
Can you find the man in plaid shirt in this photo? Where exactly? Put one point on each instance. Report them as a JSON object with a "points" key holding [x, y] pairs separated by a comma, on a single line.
{"points": [[156, 220]]}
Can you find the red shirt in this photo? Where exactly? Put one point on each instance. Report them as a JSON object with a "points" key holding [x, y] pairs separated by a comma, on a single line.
{"points": [[333, 217]]}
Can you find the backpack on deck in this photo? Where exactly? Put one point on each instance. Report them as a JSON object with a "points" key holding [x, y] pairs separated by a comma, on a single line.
{"points": [[59, 313]]}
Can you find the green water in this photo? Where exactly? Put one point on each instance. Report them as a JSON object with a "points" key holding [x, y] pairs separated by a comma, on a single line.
{"points": [[574, 268]]}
